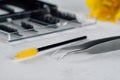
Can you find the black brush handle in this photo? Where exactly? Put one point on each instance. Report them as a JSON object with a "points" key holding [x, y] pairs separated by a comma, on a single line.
{"points": [[62, 43]]}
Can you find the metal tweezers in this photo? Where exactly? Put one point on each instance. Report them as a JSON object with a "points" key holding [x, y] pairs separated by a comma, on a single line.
{"points": [[95, 46]]}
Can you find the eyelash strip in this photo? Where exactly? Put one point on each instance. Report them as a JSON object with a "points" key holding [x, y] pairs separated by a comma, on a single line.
{"points": [[8, 29], [64, 15]]}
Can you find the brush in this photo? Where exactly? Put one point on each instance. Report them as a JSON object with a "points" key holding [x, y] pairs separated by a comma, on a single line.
{"points": [[31, 52]]}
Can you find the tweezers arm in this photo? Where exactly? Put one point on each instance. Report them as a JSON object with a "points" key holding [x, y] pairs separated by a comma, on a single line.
{"points": [[98, 41]]}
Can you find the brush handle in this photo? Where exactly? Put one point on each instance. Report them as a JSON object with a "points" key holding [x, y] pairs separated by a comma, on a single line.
{"points": [[62, 43]]}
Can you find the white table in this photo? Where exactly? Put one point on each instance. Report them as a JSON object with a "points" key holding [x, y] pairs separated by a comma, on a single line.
{"points": [[74, 67]]}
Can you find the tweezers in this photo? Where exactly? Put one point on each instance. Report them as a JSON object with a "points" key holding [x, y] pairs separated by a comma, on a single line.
{"points": [[94, 46]]}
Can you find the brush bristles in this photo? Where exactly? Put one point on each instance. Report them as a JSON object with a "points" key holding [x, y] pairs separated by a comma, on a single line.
{"points": [[26, 53]]}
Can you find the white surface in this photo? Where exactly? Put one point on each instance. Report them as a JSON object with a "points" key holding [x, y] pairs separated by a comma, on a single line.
{"points": [[75, 67]]}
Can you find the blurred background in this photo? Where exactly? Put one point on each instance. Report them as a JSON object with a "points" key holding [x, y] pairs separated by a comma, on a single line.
{"points": [[73, 5]]}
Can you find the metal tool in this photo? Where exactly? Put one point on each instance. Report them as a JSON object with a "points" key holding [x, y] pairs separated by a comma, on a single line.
{"points": [[91, 47]]}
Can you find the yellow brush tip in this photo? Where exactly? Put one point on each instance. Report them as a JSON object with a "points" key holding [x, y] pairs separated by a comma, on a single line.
{"points": [[26, 53]]}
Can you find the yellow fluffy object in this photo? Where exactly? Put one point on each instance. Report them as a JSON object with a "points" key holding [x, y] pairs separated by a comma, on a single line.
{"points": [[26, 53], [104, 10]]}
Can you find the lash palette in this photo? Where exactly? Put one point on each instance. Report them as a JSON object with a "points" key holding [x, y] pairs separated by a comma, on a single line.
{"points": [[22, 20]]}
